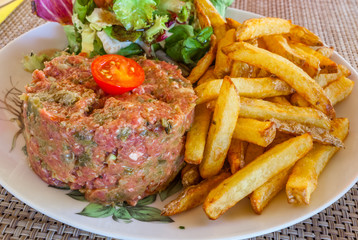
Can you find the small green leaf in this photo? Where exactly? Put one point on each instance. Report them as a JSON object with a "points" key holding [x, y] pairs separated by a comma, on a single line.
{"points": [[121, 213], [174, 187], [61, 188], [147, 214], [96, 210], [75, 194], [147, 200]]}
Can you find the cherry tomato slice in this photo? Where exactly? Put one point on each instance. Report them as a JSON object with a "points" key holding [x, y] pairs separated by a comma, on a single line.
{"points": [[116, 74]]}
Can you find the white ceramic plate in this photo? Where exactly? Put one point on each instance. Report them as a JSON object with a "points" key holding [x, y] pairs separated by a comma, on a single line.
{"points": [[239, 222]]}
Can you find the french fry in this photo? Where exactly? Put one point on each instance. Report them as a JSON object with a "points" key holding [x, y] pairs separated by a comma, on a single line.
{"points": [[222, 62], [193, 196], [256, 173], [208, 76], [205, 62], [339, 90], [320, 135], [221, 129], [279, 45], [261, 196], [247, 87], [254, 131], [280, 138], [285, 70], [325, 51], [236, 155], [232, 23], [217, 21], [240, 69], [304, 177], [303, 35], [196, 137], [336, 91], [258, 27], [190, 175], [252, 152], [204, 21], [265, 110], [279, 100], [326, 64]]}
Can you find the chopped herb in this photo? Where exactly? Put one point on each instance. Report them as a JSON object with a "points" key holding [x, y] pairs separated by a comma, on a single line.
{"points": [[181, 227], [166, 125], [124, 133]]}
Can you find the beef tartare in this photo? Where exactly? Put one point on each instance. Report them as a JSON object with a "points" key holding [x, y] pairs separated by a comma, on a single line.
{"points": [[112, 148]]}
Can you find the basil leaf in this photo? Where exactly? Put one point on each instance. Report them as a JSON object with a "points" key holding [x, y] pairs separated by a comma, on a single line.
{"points": [[121, 213], [147, 200], [148, 214], [75, 194], [174, 187], [96, 210]]}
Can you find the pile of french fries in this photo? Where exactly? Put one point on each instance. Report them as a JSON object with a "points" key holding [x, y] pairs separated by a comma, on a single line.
{"points": [[265, 118]]}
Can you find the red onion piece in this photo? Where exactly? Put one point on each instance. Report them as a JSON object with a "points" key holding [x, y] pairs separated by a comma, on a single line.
{"points": [[53, 10]]}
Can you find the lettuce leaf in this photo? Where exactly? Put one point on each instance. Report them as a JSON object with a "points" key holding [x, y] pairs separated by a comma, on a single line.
{"points": [[221, 5], [157, 28], [134, 14], [83, 8], [73, 39], [187, 45]]}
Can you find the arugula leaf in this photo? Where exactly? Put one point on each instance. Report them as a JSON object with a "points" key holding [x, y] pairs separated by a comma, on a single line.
{"points": [[134, 14], [83, 8], [187, 45], [221, 5]]}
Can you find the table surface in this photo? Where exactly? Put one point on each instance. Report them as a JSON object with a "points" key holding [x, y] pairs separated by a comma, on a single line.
{"points": [[333, 20]]}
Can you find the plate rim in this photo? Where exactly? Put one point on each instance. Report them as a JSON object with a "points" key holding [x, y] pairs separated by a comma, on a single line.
{"points": [[134, 236]]}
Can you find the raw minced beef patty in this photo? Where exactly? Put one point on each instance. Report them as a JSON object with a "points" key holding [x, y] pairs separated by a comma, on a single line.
{"points": [[112, 148]]}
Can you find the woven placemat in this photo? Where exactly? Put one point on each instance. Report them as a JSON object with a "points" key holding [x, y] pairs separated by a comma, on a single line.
{"points": [[335, 21]]}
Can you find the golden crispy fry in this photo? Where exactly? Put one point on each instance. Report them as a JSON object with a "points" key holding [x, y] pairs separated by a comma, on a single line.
{"points": [[252, 152], [325, 78], [240, 69], [336, 91], [339, 89], [279, 45], [254, 131], [208, 76], [261, 196], [263, 73], [280, 138], [221, 129], [196, 137], [193, 196], [204, 21], [326, 64], [279, 100], [256, 173], [320, 135], [222, 62], [285, 70], [190, 175], [258, 27], [325, 51], [217, 21], [264, 110], [236, 155], [231, 23], [303, 179], [303, 35], [205, 62], [247, 87]]}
